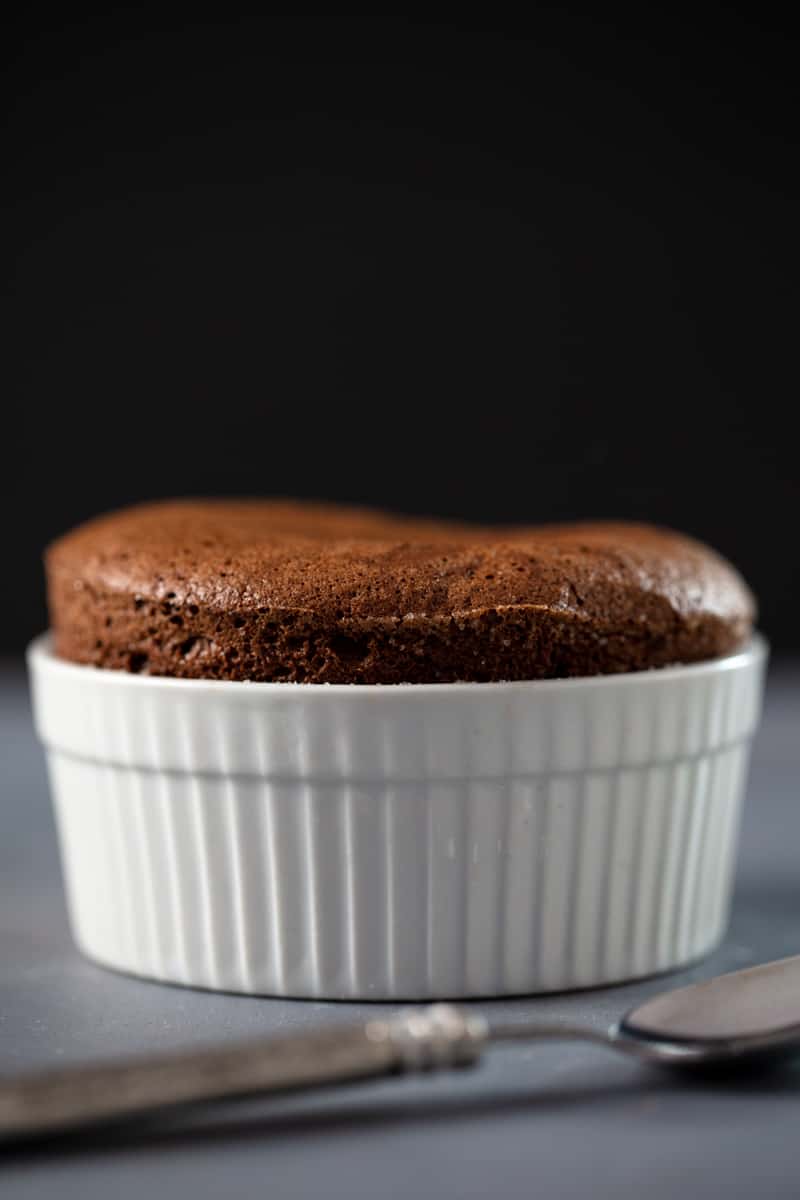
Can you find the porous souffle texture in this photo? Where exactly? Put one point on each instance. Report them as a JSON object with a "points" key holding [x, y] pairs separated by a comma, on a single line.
{"points": [[284, 591]]}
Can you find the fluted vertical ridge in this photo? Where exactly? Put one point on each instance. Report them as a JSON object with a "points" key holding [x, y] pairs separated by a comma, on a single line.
{"points": [[399, 843]]}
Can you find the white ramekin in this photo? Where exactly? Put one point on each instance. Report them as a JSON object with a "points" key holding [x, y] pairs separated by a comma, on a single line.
{"points": [[403, 841]]}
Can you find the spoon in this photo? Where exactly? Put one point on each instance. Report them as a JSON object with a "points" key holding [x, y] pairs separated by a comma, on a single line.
{"points": [[729, 1019]]}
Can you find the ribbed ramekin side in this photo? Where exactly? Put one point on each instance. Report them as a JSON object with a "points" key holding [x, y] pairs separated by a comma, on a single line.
{"points": [[549, 838], [457, 889]]}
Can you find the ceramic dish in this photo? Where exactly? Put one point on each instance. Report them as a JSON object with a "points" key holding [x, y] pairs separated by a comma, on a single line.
{"points": [[407, 841]]}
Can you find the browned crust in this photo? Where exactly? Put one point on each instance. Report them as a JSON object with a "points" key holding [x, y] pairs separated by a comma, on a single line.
{"points": [[268, 590]]}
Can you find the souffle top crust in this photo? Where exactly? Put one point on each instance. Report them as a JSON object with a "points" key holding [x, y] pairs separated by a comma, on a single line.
{"points": [[281, 591]]}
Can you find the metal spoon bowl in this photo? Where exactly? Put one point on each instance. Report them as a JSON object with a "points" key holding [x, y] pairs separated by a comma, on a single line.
{"points": [[743, 1016]]}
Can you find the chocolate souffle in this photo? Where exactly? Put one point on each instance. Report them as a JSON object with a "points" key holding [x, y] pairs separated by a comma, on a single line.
{"points": [[277, 591]]}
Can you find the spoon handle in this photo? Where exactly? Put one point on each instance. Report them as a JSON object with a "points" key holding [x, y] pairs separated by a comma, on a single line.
{"points": [[423, 1039]]}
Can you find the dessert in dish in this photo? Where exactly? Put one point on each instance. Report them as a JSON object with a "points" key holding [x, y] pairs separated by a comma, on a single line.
{"points": [[532, 808], [273, 591]]}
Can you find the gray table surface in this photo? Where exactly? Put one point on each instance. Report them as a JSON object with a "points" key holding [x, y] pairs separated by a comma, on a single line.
{"points": [[550, 1121]]}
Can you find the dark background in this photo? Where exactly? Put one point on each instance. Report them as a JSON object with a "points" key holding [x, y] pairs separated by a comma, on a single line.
{"points": [[508, 273]]}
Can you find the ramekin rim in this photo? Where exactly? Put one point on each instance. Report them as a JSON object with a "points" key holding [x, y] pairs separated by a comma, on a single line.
{"points": [[755, 650]]}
